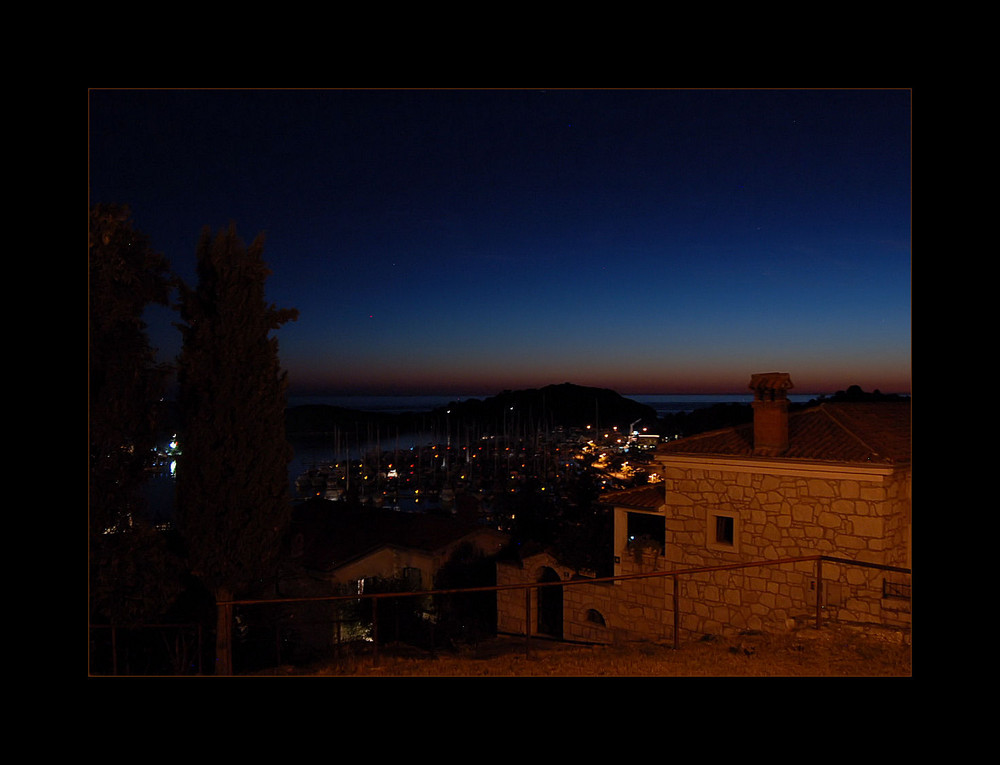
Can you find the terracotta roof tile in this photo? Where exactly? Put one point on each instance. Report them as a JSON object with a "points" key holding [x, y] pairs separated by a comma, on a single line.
{"points": [[641, 498], [832, 432]]}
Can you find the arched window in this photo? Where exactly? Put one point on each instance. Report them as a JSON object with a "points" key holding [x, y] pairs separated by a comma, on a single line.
{"points": [[595, 617]]}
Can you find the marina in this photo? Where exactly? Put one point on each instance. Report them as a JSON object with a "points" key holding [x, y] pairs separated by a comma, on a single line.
{"points": [[471, 478], [459, 468]]}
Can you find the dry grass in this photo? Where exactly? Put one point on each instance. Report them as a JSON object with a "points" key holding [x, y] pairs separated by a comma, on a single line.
{"points": [[834, 651]]}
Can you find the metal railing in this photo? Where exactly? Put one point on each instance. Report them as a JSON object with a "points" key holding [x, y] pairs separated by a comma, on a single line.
{"points": [[675, 575], [889, 589]]}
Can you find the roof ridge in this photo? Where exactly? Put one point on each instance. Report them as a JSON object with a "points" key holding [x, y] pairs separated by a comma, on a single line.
{"points": [[843, 426]]}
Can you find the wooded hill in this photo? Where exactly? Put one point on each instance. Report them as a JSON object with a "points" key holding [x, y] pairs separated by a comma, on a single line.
{"points": [[564, 405]]}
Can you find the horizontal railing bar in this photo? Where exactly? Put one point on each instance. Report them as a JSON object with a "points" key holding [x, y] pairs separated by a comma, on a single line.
{"points": [[570, 582]]}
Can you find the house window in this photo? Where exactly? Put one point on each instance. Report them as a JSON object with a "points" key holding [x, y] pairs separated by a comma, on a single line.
{"points": [[412, 577], [723, 531], [895, 590], [646, 527], [595, 617]]}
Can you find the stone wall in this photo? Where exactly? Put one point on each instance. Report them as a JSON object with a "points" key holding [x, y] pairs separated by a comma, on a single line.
{"points": [[857, 514], [861, 514], [598, 612], [511, 610]]}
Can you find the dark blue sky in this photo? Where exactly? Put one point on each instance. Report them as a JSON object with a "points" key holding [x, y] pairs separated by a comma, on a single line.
{"points": [[463, 242]]}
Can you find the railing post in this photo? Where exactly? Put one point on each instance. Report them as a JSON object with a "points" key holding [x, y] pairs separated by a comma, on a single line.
{"points": [[336, 630], [677, 617], [527, 621], [277, 640], [375, 627], [819, 593]]}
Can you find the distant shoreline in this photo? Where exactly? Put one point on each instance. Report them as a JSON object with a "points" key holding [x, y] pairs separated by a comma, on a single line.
{"points": [[424, 402]]}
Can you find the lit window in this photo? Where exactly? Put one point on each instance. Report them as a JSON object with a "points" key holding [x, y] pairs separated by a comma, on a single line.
{"points": [[648, 527]]}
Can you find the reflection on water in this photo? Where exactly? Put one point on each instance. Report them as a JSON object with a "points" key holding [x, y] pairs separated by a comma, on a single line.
{"points": [[160, 496], [309, 452], [313, 452]]}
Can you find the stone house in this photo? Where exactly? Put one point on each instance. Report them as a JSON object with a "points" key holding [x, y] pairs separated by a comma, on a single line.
{"points": [[334, 550], [347, 548], [832, 479]]}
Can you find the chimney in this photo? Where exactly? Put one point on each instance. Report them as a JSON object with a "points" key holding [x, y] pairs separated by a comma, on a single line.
{"points": [[770, 413]]}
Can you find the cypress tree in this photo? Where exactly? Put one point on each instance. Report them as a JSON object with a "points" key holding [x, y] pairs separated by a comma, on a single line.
{"points": [[131, 578], [233, 498]]}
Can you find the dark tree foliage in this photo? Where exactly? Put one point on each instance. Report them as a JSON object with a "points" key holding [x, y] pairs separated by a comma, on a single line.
{"points": [[704, 419], [856, 393], [586, 531], [467, 616], [233, 498], [132, 578]]}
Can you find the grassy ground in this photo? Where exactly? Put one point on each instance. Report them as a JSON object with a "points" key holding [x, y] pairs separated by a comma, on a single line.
{"points": [[834, 651]]}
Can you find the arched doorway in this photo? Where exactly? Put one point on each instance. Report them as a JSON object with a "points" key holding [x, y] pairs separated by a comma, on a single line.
{"points": [[550, 605]]}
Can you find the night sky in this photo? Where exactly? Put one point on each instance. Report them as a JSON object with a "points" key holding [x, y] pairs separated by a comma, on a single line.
{"points": [[462, 242]]}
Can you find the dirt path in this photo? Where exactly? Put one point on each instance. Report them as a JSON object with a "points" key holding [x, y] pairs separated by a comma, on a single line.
{"points": [[834, 651]]}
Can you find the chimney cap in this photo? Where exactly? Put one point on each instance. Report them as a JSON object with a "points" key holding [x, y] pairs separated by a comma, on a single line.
{"points": [[771, 382]]}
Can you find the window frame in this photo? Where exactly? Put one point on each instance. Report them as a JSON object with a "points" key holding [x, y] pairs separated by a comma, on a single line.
{"points": [[659, 537], [713, 542]]}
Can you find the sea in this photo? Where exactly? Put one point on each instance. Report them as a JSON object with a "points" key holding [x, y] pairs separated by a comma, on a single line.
{"points": [[662, 403], [309, 453]]}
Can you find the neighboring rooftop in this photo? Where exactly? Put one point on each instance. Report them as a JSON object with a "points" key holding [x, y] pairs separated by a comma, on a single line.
{"points": [[854, 432], [334, 536], [640, 498]]}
